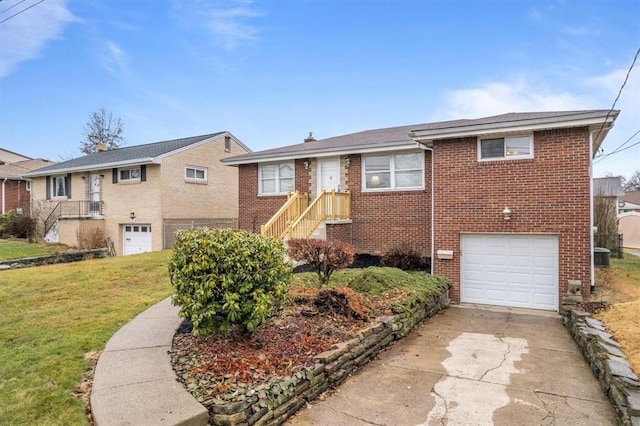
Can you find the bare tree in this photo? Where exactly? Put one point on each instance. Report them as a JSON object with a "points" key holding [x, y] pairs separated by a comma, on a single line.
{"points": [[102, 128], [633, 183]]}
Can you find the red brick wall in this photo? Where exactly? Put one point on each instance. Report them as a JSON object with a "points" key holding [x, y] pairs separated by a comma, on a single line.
{"points": [[546, 194], [340, 232], [386, 220], [381, 220], [15, 196], [257, 210]]}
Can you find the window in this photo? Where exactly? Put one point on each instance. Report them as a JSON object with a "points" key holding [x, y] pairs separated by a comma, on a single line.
{"points": [[505, 148], [393, 171], [276, 178], [130, 175], [59, 186], [28, 185], [196, 173], [227, 143]]}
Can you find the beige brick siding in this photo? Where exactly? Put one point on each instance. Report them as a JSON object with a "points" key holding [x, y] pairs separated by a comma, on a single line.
{"points": [[164, 194], [217, 198]]}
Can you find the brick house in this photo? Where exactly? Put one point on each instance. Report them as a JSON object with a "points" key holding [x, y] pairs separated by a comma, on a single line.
{"points": [[502, 204], [15, 190], [138, 196]]}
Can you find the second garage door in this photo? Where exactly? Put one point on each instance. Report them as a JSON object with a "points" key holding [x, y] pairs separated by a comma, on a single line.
{"points": [[510, 270]]}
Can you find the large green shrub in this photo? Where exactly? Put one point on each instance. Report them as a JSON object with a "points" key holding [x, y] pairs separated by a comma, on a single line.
{"points": [[223, 277]]}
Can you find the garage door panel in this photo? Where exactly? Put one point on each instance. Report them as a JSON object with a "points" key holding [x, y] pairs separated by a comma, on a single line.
{"points": [[510, 270]]}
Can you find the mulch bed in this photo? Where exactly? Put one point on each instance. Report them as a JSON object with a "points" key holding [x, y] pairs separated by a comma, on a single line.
{"points": [[217, 369]]}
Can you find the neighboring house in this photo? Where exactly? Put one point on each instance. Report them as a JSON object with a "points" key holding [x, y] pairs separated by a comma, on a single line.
{"points": [[501, 204], [7, 156], [629, 202], [15, 190], [138, 196]]}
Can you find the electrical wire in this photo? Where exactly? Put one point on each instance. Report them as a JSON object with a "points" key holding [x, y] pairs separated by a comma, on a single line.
{"points": [[23, 10], [619, 148], [619, 93], [11, 7]]}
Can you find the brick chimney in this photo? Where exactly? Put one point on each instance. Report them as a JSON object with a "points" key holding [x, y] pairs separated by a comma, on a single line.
{"points": [[310, 138], [100, 147]]}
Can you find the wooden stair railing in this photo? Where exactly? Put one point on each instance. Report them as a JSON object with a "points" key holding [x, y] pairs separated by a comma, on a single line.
{"points": [[327, 205], [277, 226]]}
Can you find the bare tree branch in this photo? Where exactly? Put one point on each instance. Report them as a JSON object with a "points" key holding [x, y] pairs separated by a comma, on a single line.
{"points": [[102, 128]]}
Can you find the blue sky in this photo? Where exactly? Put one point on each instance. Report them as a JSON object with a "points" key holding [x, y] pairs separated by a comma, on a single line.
{"points": [[271, 71]]}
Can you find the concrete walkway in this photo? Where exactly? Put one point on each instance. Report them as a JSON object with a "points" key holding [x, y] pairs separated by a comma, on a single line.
{"points": [[134, 383], [472, 366]]}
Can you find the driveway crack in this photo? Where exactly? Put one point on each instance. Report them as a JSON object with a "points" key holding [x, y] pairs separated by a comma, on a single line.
{"points": [[504, 359]]}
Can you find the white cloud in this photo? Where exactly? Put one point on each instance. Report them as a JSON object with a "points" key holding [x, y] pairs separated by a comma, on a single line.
{"points": [[115, 58], [24, 36], [227, 20], [501, 97]]}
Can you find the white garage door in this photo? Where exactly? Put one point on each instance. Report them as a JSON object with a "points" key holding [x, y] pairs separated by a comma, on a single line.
{"points": [[137, 239], [510, 270]]}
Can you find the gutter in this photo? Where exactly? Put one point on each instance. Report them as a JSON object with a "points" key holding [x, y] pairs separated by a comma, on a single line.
{"points": [[92, 167], [4, 182], [319, 153], [578, 120]]}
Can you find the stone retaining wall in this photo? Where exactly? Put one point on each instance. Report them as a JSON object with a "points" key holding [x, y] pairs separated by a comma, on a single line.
{"points": [[609, 364], [66, 257], [274, 403]]}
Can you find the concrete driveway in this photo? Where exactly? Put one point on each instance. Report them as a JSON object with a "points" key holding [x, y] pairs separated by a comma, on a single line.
{"points": [[472, 366]]}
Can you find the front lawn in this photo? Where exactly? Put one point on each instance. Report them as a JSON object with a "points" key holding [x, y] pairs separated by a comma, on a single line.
{"points": [[620, 284], [18, 249], [51, 317]]}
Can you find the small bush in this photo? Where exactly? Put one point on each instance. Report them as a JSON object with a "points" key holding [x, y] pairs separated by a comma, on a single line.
{"points": [[405, 258], [224, 277], [324, 257], [4, 220], [20, 226]]}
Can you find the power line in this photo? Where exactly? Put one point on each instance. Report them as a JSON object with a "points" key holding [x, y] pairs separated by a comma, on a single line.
{"points": [[11, 7], [620, 148], [23, 10], [619, 93]]}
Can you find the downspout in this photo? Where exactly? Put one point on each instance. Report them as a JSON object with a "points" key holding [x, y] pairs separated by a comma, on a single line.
{"points": [[4, 182], [591, 241], [433, 214]]}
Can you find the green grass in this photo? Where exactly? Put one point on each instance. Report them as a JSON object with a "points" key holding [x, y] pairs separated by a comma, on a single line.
{"points": [[19, 249], [50, 316]]}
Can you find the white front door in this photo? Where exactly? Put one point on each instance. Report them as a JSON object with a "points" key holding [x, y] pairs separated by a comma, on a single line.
{"points": [[137, 239], [94, 194], [518, 270], [328, 174]]}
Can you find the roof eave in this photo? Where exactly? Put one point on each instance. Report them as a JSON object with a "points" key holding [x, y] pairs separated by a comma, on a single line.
{"points": [[587, 119], [93, 167], [320, 153]]}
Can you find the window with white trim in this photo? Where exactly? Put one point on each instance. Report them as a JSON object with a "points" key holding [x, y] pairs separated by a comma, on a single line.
{"points": [[276, 178], [59, 186], [195, 173], [508, 147], [130, 175], [399, 171], [28, 185]]}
